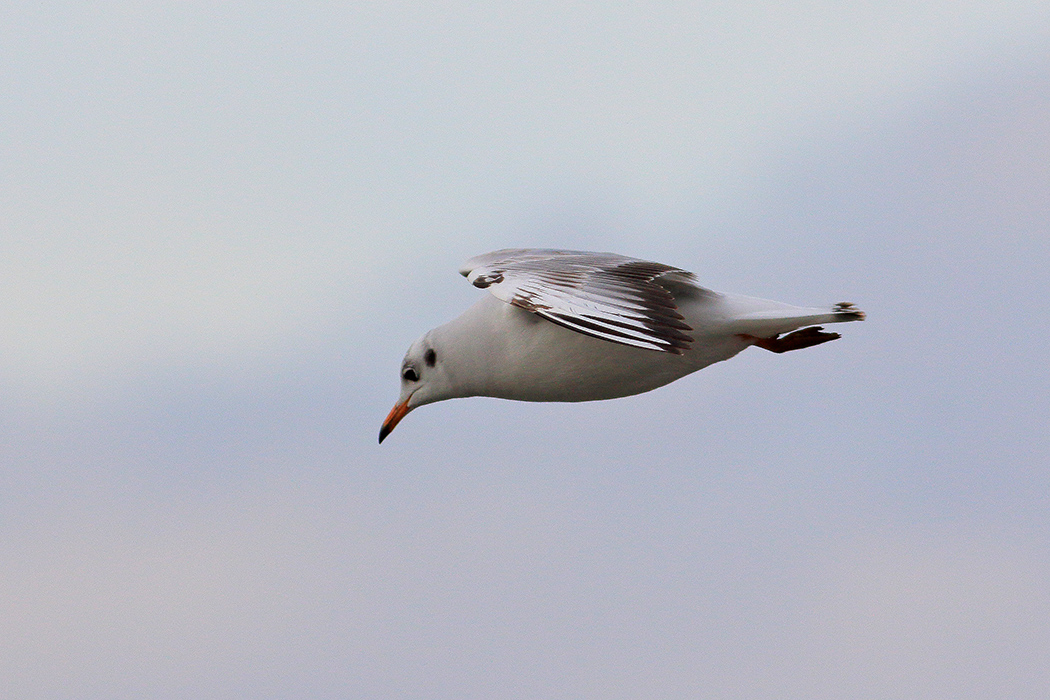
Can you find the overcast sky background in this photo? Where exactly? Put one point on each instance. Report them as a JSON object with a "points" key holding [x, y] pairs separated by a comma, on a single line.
{"points": [[222, 227]]}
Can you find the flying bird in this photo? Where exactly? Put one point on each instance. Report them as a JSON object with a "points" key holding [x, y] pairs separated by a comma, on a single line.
{"points": [[567, 325]]}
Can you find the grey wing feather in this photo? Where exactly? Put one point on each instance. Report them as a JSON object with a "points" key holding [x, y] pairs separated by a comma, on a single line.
{"points": [[604, 295]]}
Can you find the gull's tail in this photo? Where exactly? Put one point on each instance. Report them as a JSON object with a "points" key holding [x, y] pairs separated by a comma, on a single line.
{"points": [[766, 319]]}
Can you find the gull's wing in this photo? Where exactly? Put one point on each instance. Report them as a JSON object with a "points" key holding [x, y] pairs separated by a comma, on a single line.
{"points": [[604, 295]]}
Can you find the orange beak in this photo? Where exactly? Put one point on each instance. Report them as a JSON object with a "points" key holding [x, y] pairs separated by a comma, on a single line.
{"points": [[398, 412]]}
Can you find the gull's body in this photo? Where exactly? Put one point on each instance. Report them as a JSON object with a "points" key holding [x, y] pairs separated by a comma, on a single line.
{"points": [[574, 326]]}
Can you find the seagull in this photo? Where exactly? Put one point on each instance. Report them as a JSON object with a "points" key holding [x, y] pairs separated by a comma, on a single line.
{"points": [[568, 325]]}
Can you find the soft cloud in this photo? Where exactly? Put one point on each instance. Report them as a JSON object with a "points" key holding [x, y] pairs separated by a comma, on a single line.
{"points": [[931, 613], [101, 306]]}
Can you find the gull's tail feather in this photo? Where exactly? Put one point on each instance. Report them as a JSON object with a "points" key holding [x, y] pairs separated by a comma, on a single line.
{"points": [[772, 318]]}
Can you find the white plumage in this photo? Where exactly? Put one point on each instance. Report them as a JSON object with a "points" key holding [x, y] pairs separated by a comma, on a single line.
{"points": [[565, 325]]}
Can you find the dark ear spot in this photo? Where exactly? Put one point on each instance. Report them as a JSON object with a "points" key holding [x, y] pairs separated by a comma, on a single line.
{"points": [[430, 357]]}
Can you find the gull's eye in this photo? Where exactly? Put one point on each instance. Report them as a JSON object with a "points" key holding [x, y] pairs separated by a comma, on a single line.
{"points": [[410, 374], [430, 357]]}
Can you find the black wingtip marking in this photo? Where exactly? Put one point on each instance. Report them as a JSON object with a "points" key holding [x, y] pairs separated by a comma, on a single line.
{"points": [[484, 281]]}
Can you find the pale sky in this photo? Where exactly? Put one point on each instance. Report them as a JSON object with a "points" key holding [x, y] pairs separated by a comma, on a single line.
{"points": [[223, 227]]}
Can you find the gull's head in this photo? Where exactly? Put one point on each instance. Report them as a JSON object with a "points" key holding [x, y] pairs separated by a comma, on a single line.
{"points": [[423, 381]]}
